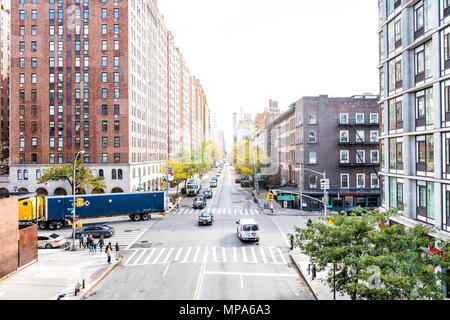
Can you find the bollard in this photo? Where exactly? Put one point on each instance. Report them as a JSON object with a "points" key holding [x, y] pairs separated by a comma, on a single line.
{"points": [[309, 268], [84, 284], [313, 272], [77, 288]]}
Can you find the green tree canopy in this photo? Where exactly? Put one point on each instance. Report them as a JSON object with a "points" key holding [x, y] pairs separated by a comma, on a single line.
{"points": [[373, 262], [84, 177]]}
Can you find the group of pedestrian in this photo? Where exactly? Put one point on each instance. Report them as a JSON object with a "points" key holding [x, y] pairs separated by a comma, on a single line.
{"points": [[89, 242]]}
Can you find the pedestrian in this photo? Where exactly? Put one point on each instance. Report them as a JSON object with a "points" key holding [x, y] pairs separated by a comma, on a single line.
{"points": [[117, 250], [80, 239], [271, 207], [178, 204], [108, 252], [101, 242], [85, 241], [94, 246], [91, 243]]}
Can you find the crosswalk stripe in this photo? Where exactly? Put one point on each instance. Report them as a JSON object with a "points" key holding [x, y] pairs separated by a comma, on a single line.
{"points": [[159, 255], [152, 251], [191, 211], [281, 255], [139, 258], [168, 255], [234, 254], [134, 253], [187, 254], [205, 254], [229, 211], [263, 255], [244, 254], [252, 249], [178, 254], [273, 255], [224, 256], [234, 211]]}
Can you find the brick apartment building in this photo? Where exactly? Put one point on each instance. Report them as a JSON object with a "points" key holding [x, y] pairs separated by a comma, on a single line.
{"points": [[338, 136], [99, 76]]}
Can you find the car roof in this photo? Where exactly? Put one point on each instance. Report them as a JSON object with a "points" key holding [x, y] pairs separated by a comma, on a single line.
{"points": [[247, 221]]}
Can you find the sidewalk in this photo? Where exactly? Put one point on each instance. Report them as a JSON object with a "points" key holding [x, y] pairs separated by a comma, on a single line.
{"points": [[56, 272], [320, 289]]}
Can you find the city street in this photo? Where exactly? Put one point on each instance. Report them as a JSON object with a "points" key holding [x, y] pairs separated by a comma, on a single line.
{"points": [[172, 257]]}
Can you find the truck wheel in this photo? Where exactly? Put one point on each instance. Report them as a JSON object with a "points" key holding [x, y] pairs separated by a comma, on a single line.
{"points": [[52, 225], [136, 217], [42, 225], [144, 216], [58, 225]]}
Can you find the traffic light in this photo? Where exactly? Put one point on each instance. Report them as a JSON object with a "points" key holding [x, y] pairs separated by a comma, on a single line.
{"points": [[80, 202]]}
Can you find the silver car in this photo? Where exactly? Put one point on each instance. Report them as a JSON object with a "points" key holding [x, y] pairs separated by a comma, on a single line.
{"points": [[52, 241]]}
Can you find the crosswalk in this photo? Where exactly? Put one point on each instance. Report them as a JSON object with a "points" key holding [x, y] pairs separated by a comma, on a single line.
{"points": [[250, 255], [217, 211]]}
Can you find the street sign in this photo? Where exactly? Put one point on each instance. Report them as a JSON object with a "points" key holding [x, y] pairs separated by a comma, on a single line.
{"points": [[286, 198], [324, 183]]}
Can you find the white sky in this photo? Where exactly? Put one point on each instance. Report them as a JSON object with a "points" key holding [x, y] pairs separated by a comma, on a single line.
{"points": [[246, 52]]}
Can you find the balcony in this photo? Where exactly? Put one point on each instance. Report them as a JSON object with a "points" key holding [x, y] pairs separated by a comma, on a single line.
{"points": [[354, 164], [354, 123], [358, 143]]}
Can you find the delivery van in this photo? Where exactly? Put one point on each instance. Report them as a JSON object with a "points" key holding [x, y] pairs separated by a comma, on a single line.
{"points": [[248, 229]]}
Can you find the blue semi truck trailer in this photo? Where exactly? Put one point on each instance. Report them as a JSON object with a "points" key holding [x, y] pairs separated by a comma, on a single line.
{"points": [[57, 211]]}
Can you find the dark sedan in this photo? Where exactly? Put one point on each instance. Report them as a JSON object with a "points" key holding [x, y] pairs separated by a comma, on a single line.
{"points": [[96, 231], [205, 219]]}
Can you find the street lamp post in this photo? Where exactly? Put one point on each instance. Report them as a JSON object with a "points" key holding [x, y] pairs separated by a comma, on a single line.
{"points": [[74, 247], [324, 190]]}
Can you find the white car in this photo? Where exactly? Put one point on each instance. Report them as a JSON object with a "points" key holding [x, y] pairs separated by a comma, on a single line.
{"points": [[52, 241], [248, 229]]}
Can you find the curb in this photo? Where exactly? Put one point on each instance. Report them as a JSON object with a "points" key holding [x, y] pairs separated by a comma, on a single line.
{"points": [[114, 267], [303, 276]]}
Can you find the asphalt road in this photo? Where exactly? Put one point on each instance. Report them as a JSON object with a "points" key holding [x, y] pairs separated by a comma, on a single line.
{"points": [[173, 258]]}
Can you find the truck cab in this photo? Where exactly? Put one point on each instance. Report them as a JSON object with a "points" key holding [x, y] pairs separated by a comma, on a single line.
{"points": [[193, 188]]}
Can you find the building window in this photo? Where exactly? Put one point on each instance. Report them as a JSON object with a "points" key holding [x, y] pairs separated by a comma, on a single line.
{"points": [[344, 180], [343, 136], [423, 63], [374, 182], [360, 118], [374, 118], [104, 13], [343, 118], [425, 153], [344, 156], [104, 126], [374, 136], [117, 160], [116, 142], [424, 107], [312, 137], [51, 158], [313, 157], [360, 180], [104, 61], [374, 156], [104, 29], [360, 156], [104, 158], [359, 135], [312, 118]]}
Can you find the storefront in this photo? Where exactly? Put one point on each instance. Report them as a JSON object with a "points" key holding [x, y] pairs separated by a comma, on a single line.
{"points": [[339, 199]]}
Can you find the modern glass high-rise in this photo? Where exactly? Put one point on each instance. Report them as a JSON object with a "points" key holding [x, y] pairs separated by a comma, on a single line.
{"points": [[414, 68]]}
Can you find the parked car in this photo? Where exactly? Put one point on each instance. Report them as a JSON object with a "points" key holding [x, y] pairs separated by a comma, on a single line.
{"points": [[208, 193], [237, 180], [96, 231], [52, 241], [199, 203], [205, 219]]}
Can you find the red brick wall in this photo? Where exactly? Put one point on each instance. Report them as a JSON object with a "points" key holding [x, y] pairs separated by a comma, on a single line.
{"points": [[9, 235]]}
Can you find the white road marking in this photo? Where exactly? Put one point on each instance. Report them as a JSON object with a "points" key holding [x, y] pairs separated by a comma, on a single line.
{"points": [[187, 254], [168, 255], [281, 255], [165, 271], [159, 255], [273, 255], [140, 235], [263, 254], [244, 254], [249, 274], [139, 258], [252, 249], [129, 259], [196, 254], [178, 254], [234, 254], [224, 256], [152, 251]]}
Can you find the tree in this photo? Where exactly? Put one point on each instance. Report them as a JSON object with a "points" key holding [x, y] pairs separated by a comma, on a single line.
{"points": [[370, 262], [83, 176], [4, 158]]}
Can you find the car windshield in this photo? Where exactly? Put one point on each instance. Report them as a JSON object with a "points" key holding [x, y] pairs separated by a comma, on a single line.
{"points": [[54, 236], [205, 215], [191, 187], [199, 199]]}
